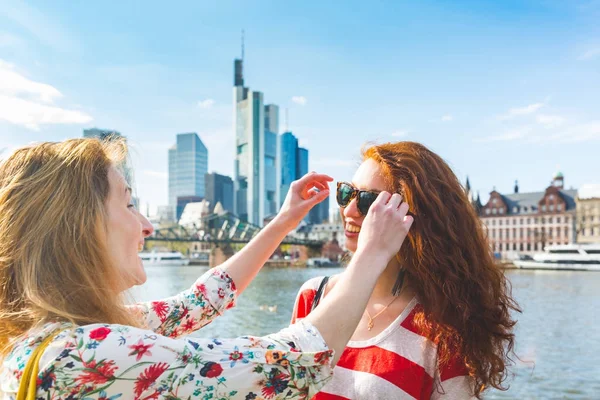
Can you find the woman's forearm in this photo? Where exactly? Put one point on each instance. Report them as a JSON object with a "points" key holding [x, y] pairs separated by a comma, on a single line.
{"points": [[340, 311]]}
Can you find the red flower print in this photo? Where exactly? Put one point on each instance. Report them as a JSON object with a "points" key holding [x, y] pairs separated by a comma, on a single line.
{"points": [[211, 370], [221, 293], [161, 309], [148, 377], [99, 333], [140, 349], [322, 357], [189, 325], [97, 373], [201, 288], [236, 356]]}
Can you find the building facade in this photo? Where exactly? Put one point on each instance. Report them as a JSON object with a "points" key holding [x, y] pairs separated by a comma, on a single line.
{"points": [[525, 223], [319, 214], [301, 162], [289, 156], [219, 189], [588, 214], [188, 165], [256, 127]]}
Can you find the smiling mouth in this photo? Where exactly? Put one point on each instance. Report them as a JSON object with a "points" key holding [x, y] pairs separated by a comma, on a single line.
{"points": [[352, 228]]}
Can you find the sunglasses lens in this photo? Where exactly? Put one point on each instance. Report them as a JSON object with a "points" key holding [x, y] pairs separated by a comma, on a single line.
{"points": [[344, 194], [365, 199]]}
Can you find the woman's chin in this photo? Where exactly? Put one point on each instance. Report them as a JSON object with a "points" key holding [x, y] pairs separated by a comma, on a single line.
{"points": [[351, 245], [140, 276]]}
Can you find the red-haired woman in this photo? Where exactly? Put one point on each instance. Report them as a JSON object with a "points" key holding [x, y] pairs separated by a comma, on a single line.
{"points": [[438, 323]]}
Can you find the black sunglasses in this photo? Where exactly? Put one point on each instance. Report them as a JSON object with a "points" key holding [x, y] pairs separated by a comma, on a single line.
{"points": [[364, 198]]}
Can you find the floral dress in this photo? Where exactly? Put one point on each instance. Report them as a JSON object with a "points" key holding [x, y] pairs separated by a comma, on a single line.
{"points": [[110, 362]]}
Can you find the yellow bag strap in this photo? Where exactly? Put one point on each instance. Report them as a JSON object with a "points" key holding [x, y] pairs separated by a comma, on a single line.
{"points": [[28, 384]]}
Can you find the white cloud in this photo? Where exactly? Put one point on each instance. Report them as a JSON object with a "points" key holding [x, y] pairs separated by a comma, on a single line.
{"points": [[208, 103], [590, 54], [399, 133], [30, 104], [519, 111], [156, 174], [447, 118], [301, 100], [580, 132], [513, 134], [14, 84], [550, 121], [31, 115]]}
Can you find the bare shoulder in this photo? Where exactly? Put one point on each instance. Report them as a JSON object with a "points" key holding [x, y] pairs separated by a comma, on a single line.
{"points": [[333, 279]]}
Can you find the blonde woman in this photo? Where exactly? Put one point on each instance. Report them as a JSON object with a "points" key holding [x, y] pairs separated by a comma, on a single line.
{"points": [[69, 238]]}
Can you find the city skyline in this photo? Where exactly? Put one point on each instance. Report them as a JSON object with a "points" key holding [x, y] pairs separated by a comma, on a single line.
{"points": [[188, 166], [503, 92]]}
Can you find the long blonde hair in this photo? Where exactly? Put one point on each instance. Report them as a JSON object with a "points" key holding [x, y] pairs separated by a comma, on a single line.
{"points": [[54, 263]]}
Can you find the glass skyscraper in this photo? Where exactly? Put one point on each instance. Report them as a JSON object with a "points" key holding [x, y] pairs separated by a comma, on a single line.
{"points": [[289, 155], [219, 189], [301, 162], [188, 165], [256, 168]]}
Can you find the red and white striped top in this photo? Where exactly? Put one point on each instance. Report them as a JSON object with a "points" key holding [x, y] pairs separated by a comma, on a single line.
{"points": [[399, 363]]}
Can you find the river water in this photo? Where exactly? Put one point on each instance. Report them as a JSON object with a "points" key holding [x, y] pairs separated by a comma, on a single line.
{"points": [[558, 334]]}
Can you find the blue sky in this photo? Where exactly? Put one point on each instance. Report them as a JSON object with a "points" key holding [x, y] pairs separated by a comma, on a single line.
{"points": [[503, 90]]}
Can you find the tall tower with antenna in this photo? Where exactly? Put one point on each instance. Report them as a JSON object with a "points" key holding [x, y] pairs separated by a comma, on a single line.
{"points": [[256, 129]]}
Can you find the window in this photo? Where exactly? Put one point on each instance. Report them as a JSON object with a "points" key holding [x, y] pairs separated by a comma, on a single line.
{"points": [[487, 211], [521, 233], [567, 233], [494, 201], [524, 209], [500, 234], [551, 197], [544, 208], [558, 220], [564, 251], [550, 220], [500, 222], [567, 220], [514, 221], [515, 210], [549, 232], [535, 246], [493, 234], [559, 207], [528, 221], [514, 246], [493, 222], [521, 247], [528, 246], [494, 211], [501, 211], [521, 221], [551, 207]]}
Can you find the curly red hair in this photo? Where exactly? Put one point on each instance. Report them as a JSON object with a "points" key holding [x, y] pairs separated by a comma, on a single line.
{"points": [[465, 296]]}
